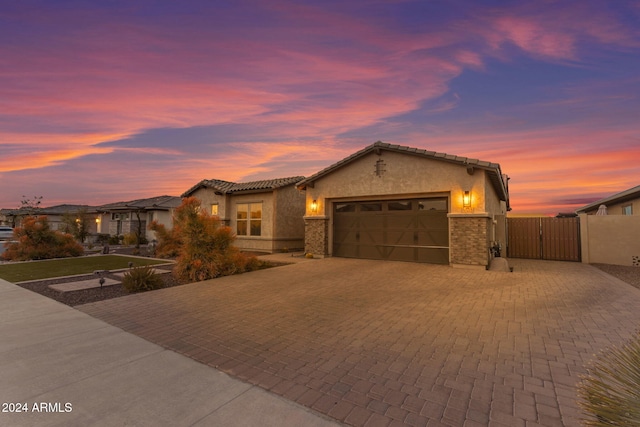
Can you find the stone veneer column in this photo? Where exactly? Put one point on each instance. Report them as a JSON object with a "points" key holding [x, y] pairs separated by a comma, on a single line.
{"points": [[469, 240], [316, 235]]}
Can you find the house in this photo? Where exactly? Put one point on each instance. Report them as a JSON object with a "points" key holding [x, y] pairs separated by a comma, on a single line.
{"points": [[55, 215], [624, 203], [394, 202], [611, 236], [117, 219], [267, 215]]}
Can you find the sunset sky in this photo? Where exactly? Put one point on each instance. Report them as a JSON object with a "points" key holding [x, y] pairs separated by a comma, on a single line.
{"points": [[104, 101]]}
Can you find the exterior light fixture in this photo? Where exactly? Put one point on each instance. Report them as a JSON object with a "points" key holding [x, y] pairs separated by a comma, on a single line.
{"points": [[314, 206], [98, 220], [466, 199]]}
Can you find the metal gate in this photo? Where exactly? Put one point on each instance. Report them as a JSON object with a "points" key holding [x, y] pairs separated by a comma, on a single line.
{"points": [[544, 238]]}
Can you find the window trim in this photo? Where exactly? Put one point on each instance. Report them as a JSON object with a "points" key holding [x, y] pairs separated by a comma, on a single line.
{"points": [[249, 220]]}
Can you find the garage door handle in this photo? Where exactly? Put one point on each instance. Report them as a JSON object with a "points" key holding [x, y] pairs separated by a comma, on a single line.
{"points": [[357, 235], [415, 236]]}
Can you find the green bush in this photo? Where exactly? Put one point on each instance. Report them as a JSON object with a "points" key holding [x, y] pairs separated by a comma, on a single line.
{"points": [[139, 279], [610, 393], [36, 240], [115, 240]]}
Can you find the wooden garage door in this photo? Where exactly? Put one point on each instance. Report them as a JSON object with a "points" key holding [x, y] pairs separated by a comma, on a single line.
{"points": [[401, 230]]}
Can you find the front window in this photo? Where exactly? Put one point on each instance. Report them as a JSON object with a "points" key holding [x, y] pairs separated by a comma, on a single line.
{"points": [[627, 210], [214, 209], [249, 219]]}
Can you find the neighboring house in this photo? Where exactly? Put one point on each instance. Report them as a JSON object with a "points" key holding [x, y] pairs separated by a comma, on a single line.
{"points": [[267, 215], [624, 203], [613, 235], [117, 219], [400, 203], [55, 215]]}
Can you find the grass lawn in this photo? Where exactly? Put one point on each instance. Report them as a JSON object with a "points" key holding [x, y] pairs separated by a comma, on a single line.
{"points": [[35, 270]]}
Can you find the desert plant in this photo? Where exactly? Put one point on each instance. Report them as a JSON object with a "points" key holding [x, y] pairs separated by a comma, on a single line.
{"points": [[77, 224], [204, 247], [168, 241], [610, 393], [133, 239], [139, 279], [36, 240]]}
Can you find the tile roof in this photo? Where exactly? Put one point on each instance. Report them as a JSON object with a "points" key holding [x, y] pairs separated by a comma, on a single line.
{"points": [[226, 187], [493, 169], [51, 210], [159, 203]]}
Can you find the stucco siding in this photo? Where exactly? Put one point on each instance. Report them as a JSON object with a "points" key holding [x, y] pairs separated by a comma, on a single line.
{"points": [[616, 208], [162, 217], [208, 197], [402, 175], [610, 239], [288, 225]]}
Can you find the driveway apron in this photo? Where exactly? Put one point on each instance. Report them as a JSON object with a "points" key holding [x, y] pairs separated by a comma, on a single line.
{"points": [[392, 343]]}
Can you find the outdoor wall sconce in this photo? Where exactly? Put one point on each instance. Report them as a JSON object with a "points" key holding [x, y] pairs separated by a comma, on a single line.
{"points": [[466, 199], [97, 220], [314, 206]]}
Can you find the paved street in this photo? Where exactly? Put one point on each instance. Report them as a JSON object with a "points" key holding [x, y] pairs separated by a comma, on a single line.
{"points": [[389, 343]]}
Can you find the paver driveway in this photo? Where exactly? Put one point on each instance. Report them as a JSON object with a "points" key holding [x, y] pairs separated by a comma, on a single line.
{"points": [[390, 343]]}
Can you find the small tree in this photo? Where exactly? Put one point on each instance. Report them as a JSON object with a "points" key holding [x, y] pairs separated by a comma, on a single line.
{"points": [[203, 245], [77, 224], [36, 240], [30, 206]]}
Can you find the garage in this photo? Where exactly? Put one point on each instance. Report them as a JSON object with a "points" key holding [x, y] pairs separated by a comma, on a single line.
{"points": [[400, 230], [398, 203]]}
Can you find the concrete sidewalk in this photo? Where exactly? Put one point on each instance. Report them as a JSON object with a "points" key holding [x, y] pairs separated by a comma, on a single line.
{"points": [[68, 368]]}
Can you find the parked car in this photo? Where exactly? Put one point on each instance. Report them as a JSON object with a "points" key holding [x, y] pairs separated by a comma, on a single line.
{"points": [[6, 232]]}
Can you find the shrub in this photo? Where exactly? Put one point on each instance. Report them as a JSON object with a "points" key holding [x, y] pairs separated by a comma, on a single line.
{"points": [[204, 248], [132, 239], [102, 239], [115, 240], [36, 240], [168, 242], [610, 394], [139, 279]]}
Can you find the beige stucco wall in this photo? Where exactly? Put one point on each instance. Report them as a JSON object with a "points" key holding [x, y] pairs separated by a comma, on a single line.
{"points": [[289, 221], [163, 217], [282, 217], [497, 211], [616, 208], [253, 243], [406, 176], [208, 197], [610, 239]]}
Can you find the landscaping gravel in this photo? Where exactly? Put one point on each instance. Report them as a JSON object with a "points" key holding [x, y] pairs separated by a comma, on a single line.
{"points": [[628, 274], [86, 295]]}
